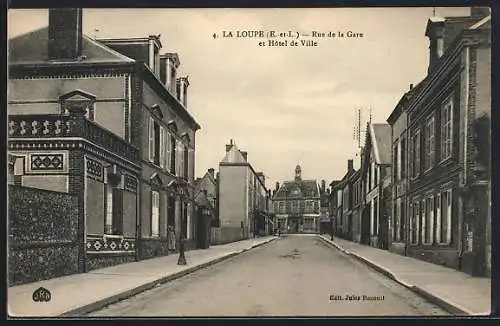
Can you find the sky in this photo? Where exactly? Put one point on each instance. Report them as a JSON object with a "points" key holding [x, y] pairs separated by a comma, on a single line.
{"points": [[283, 105]]}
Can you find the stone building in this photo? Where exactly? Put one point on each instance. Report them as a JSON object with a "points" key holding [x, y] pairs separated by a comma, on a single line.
{"points": [[297, 204], [242, 197], [100, 120], [448, 130]]}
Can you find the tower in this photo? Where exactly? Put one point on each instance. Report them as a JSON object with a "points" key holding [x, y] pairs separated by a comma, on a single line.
{"points": [[298, 172]]}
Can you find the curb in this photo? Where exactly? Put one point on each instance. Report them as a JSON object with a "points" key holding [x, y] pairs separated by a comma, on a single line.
{"points": [[142, 288], [453, 309]]}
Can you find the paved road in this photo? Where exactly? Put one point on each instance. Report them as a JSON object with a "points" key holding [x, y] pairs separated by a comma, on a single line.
{"points": [[292, 276]]}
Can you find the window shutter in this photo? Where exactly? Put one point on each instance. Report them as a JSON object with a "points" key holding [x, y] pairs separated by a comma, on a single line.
{"points": [[162, 147], [438, 218], [151, 140], [155, 216], [449, 203], [431, 220], [167, 149], [190, 163], [422, 219]]}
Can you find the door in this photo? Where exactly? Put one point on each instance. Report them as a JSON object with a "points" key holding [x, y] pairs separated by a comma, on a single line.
{"points": [[202, 230]]}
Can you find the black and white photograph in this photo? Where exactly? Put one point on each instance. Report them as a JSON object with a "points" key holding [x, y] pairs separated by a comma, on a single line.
{"points": [[249, 162]]}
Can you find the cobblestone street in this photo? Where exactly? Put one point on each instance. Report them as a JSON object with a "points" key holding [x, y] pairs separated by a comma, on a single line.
{"points": [[296, 275]]}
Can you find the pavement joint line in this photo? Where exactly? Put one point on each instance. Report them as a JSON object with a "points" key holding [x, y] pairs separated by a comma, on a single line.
{"points": [[449, 307], [150, 285]]}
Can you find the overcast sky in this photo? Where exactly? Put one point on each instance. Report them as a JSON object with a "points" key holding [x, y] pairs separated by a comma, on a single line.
{"points": [[282, 105]]}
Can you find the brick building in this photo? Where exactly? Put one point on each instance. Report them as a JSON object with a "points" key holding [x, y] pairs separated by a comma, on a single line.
{"points": [[103, 120], [448, 127]]}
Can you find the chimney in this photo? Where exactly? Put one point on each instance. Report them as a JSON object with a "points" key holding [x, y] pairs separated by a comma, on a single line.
{"points": [[228, 147], [411, 87], [169, 63], [323, 186], [245, 154], [480, 12], [435, 33], [350, 166], [65, 33], [182, 86], [211, 171], [277, 186]]}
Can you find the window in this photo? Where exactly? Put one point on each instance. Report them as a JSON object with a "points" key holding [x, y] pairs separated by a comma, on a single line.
{"points": [[428, 220], [443, 206], [172, 154], [281, 207], [429, 144], [375, 175], [316, 207], [309, 207], [402, 225], [154, 141], [294, 206], [395, 163], [446, 129], [402, 152], [113, 204], [171, 211], [375, 215], [162, 145], [155, 213], [186, 162], [397, 221], [416, 163], [414, 224]]}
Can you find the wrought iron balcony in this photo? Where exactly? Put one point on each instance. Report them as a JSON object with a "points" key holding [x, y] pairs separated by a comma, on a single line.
{"points": [[56, 125]]}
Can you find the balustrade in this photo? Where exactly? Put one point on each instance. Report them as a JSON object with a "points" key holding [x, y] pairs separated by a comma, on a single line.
{"points": [[52, 125]]}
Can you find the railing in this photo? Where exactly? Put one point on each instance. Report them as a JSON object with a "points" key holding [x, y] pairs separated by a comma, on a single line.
{"points": [[55, 125]]}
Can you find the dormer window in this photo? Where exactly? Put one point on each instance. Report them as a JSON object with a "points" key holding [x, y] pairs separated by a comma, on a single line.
{"points": [[78, 100]]}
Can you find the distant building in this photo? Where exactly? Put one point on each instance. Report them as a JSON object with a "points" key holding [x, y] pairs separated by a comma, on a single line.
{"points": [[242, 197], [205, 198], [343, 205], [297, 204], [375, 168]]}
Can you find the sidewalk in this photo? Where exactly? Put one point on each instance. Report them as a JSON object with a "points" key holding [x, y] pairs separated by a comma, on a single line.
{"points": [[452, 290], [82, 293]]}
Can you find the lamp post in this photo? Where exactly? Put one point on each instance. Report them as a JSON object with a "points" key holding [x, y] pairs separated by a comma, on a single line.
{"points": [[331, 227]]}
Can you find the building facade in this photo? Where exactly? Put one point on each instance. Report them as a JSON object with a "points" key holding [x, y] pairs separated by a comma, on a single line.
{"points": [[297, 205], [99, 119], [448, 128], [242, 197], [343, 204], [375, 167]]}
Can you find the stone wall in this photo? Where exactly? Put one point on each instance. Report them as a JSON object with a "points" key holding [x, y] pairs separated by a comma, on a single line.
{"points": [[43, 229]]}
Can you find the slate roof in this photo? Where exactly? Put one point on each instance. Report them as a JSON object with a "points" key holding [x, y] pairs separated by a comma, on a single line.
{"points": [[381, 133], [300, 188], [233, 155], [32, 47]]}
